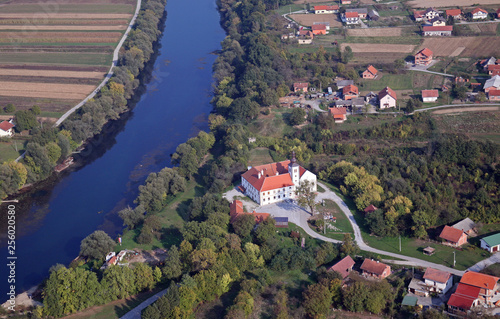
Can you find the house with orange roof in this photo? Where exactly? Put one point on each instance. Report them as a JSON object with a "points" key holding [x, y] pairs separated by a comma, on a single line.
{"points": [[370, 209], [300, 86], [387, 98], [275, 182], [494, 95], [493, 69], [455, 13], [343, 267], [423, 57], [326, 9], [339, 114], [350, 18], [430, 95], [479, 13], [6, 129], [349, 92], [345, 1], [370, 72], [375, 269], [236, 210], [318, 29], [453, 237]]}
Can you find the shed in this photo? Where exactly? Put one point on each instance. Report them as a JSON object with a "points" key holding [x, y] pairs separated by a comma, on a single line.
{"points": [[409, 301], [281, 221], [491, 243], [466, 225], [429, 251]]}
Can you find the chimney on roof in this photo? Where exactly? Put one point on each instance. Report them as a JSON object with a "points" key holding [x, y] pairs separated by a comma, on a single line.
{"points": [[249, 168], [258, 175], [277, 173]]}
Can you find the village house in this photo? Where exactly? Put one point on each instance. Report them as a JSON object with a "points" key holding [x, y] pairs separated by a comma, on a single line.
{"points": [[370, 72], [318, 29], [6, 129], [350, 104], [479, 13], [288, 36], [453, 237], [362, 12], [494, 95], [444, 31], [492, 84], [275, 182], [300, 86], [345, 1], [437, 22], [467, 226], [343, 83], [305, 37], [387, 98], [339, 114], [373, 15], [455, 13], [491, 243], [350, 92], [350, 18], [428, 14], [430, 95], [326, 24], [486, 62], [343, 267], [493, 69], [236, 210], [326, 9], [370, 209], [438, 281], [376, 269], [423, 57]]}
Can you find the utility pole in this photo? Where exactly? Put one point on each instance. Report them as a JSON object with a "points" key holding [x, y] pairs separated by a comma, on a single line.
{"points": [[399, 243], [454, 261]]}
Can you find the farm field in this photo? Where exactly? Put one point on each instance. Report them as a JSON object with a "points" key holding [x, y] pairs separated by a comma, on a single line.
{"points": [[53, 54], [446, 3], [308, 19], [375, 32], [386, 48], [473, 46]]}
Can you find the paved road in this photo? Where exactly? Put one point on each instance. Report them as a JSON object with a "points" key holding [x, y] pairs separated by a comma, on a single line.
{"points": [[136, 312], [456, 105], [110, 72], [494, 259]]}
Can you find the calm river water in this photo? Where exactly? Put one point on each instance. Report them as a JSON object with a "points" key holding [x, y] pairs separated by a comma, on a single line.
{"points": [[58, 215]]}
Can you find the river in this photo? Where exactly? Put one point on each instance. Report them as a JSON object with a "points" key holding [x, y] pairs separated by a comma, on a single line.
{"points": [[65, 209]]}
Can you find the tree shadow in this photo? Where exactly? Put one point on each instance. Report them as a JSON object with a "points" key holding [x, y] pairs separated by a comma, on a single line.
{"points": [[170, 236]]}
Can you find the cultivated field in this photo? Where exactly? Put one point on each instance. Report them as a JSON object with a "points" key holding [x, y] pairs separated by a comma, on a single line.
{"points": [[369, 48], [53, 54], [447, 3], [474, 46], [308, 19], [373, 32]]}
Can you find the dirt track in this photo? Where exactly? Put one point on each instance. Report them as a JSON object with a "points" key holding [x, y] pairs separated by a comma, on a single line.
{"points": [[369, 47], [447, 3], [467, 109]]}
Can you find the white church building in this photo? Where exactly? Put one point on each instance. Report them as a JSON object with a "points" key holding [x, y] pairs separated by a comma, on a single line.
{"points": [[275, 182]]}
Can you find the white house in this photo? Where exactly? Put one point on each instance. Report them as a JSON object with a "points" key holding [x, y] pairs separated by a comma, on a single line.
{"points": [[387, 98], [437, 280], [326, 9], [430, 95], [445, 31], [479, 13], [6, 129], [491, 243], [275, 182], [350, 18]]}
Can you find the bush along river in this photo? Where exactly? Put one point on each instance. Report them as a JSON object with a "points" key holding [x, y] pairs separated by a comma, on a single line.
{"points": [[53, 218]]}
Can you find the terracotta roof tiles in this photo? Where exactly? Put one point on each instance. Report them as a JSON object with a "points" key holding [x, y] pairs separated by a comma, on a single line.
{"points": [[430, 93], [373, 266], [5, 126], [479, 280], [436, 275], [343, 266], [451, 234]]}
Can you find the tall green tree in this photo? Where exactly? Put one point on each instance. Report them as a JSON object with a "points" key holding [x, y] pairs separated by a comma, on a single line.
{"points": [[97, 245]]}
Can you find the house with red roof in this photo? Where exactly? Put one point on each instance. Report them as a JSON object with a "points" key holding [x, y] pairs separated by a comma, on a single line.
{"points": [[370, 73], [236, 210], [300, 86], [275, 182], [350, 18], [453, 237], [455, 13], [479, 13], [493, 69], [326, 9], [430, 95], [339, 114], [345, 1], [370, 209], [387, 98], [438, 281], [474, 289], [423, 57], [350, 91], [494, 95], [6, 129], [343, 267], [444, 30], [318, 29], [305, 37], [374, 268]]}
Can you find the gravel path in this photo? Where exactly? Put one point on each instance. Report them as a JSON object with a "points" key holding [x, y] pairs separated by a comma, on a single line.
{"points": [[136, 312]]}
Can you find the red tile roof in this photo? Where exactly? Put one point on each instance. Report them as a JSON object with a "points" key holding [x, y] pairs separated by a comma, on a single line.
{"points": [[468, 290], [334, 7], [451, 234], [350, 88], [436, 275], [460, 301], [351, 15], [370, 209], [274, 175], [112, 260], [438, 28], [318, 27], [236, 210], [425, 51], [301, 85], [337, 110], [479, 280], [5, 126], [306, 33], [343, 266], [387, 91], [430, 93], [373, 266], [492, 67], [453, 12], [494, 93], [372, 70], [479, 10]]}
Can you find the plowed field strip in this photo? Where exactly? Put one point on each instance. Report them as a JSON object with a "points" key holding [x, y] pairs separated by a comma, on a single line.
{"points": [[32, 28], [47, 95], [43, 21], [56, 58], [373, 32], [45, 87], [66, 8], [51, 73], [474, 46], [59, 40], [49, 15], [367, 47], [57, 34]]}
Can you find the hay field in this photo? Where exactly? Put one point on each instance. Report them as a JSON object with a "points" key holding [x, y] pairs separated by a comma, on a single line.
{"points": [[380, 48], [374, 32], [474, 46], [54, 53], [308, 19], [447, 3]]}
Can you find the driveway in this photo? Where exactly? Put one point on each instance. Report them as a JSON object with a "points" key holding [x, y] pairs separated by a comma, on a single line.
{"points": [[136, 312]]}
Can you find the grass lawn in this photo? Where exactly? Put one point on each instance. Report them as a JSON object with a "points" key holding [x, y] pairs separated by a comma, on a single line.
{"points": [[275, 124], [394, 81], [291, 7], [342, 223], [8, 150], [416, 40], [51, 114], [259, 156], [356, 122]]}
